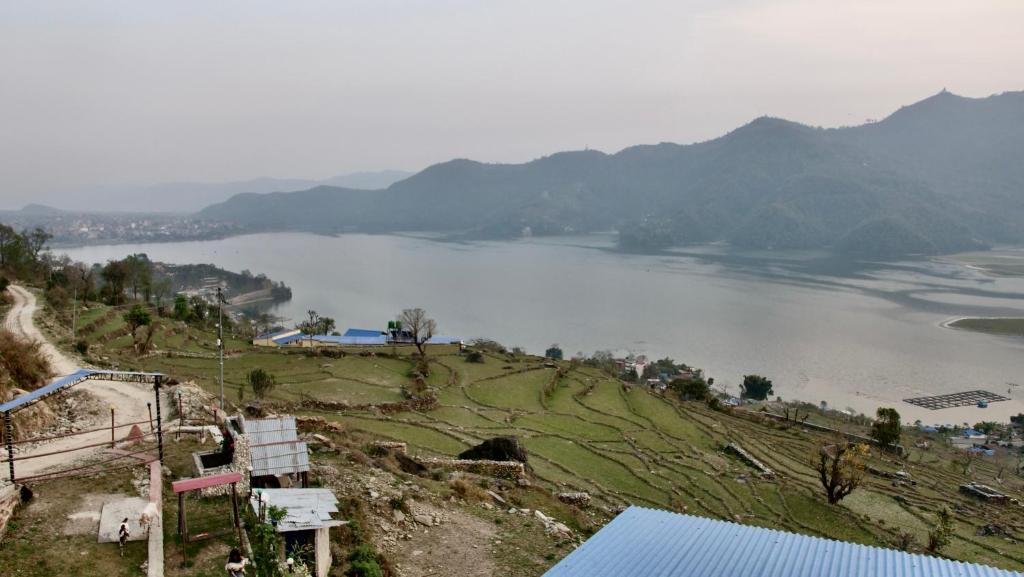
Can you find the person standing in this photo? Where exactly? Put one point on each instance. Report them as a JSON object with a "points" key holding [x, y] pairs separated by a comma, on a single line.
{"points": [[122, 535]]}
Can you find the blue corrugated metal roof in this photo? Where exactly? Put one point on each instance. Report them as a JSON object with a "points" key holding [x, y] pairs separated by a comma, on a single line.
{"points": [[290, 339], [70, 380], [662, 544], [362, 333], [378, 339]]}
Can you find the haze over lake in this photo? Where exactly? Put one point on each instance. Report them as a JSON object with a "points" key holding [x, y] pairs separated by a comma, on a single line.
{"points": [[856, 335]]}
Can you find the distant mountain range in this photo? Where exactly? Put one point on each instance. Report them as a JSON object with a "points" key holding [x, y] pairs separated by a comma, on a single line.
{"points": [[942, 175], [189, 197]]}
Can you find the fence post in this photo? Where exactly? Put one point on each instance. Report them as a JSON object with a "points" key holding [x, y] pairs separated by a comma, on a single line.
{"points": [[111, 426], [149, 407], [159, 423], [9, 433]]}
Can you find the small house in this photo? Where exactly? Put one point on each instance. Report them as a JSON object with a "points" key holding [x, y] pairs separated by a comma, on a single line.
{"points": [[306, 524]]}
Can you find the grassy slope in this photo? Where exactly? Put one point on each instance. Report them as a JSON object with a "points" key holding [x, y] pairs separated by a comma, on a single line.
{"points": [[628, 445], [1011, 327]]}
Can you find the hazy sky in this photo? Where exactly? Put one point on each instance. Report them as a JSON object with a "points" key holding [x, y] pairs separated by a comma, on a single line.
{"points": [[102, 92]]}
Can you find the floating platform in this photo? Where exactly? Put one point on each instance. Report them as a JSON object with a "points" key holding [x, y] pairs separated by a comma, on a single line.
{"points": [[964, 399]]}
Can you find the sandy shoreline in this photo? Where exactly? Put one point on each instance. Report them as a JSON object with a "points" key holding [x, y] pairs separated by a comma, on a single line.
{"points": [[866, 402]]}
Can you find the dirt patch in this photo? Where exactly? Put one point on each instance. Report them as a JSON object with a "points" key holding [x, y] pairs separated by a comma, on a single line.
{"points": [[85, 520], [460, 546]]}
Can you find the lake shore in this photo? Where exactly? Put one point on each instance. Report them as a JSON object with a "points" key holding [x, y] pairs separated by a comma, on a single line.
{"points": [[1003, 326]]}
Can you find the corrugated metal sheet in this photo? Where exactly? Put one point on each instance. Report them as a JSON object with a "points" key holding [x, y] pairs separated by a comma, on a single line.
{"points": [[274, 430], [274, 446], [73, 379], [279, 458], [363, 333], [661, 544], [307, 508]]}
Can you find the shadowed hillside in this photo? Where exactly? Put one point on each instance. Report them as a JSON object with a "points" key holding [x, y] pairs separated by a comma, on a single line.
{"points": [[938, 176]]}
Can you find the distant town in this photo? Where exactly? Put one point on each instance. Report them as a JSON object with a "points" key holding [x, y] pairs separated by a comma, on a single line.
{"points": [[78, 228]]}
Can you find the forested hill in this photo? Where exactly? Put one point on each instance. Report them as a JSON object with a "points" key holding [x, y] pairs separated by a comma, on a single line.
{"points": [[942, 175]]}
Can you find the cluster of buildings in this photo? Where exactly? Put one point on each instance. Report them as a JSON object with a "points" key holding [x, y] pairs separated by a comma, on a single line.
{"points": [[274, 465], [351, 337]]}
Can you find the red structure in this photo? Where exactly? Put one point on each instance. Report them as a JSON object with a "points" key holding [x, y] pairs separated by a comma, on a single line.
{"points": [[186, 485]]}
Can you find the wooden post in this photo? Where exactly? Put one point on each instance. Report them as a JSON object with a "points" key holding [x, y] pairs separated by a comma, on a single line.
{"points": [[159, 425], [9, 433], [111, 426], [181, 513], [234, 511], [149, 407], [184, 528]]}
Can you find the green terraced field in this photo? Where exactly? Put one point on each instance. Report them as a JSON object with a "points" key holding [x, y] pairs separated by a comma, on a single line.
{"points": [[628, 445]]}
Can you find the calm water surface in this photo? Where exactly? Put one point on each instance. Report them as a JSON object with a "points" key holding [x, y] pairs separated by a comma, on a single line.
{"points": [[855, 334]]}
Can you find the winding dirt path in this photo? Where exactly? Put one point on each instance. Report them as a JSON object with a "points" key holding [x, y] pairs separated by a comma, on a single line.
{"points": [[128, 399]]}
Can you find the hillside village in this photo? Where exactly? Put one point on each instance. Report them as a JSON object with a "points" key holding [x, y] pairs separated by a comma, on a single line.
{"points": [[401, 452]]}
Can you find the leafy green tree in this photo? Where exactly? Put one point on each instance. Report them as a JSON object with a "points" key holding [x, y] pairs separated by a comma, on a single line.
{"points": [[137, 317], [886, 428], [115, 275], [756, 387], [691, 389], [261, 382], [181, 309]]}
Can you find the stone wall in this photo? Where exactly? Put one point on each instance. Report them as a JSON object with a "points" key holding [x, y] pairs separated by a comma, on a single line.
{"points": [[9, 501], [240, 463], [501, 469]]}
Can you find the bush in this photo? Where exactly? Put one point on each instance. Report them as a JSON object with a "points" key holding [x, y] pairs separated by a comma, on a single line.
{"points": [[475, 357], [363, 562], [23, 362], [82, 346], [691, 389], [261, 382]]}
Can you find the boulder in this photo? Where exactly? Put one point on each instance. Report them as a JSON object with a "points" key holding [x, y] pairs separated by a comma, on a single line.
{"points": [[497, 449]]}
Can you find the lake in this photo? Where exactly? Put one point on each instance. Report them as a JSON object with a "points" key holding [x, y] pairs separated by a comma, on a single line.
{"points": [[854, 334]]}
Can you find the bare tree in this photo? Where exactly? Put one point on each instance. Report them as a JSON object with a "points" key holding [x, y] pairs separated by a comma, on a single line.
{"points": [[419, 327], [840, 468]]}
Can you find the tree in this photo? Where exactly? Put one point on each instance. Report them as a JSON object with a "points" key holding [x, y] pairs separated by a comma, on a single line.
{"points": [[115, 274], [261, 382], [886, 428], [419, 326], [137, 317], [691, 389], [7, 237], [840, 468], [942, 534], [161, 289], [181, 310], [756, 387], [36, 240], [325, 325]]}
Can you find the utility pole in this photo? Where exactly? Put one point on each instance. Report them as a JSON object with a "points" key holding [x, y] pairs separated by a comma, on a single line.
{"points": [[74, 315], [220, 342]]}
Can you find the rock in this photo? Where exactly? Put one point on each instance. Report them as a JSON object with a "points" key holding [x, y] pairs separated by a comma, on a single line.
{"points": [[497, 449], [497, 498], [578, 499], [398, 516], [425, 520]]}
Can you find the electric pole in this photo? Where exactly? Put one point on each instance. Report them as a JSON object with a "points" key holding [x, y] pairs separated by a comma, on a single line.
{"points": [[220, 342]]}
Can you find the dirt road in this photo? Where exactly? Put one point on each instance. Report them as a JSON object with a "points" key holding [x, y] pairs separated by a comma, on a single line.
{"points": [[128, 399]]}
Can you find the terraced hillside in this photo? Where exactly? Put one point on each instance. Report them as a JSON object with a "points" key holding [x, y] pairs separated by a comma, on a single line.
{"points": [[587, 431]]}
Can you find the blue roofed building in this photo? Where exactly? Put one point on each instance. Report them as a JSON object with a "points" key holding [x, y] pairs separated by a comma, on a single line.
{"points": [[652, 543]]}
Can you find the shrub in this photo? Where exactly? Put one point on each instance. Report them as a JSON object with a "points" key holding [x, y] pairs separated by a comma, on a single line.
{"points": [[22, 361], [475, 357], [82, 346], [363, 562], [261, 382]]}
